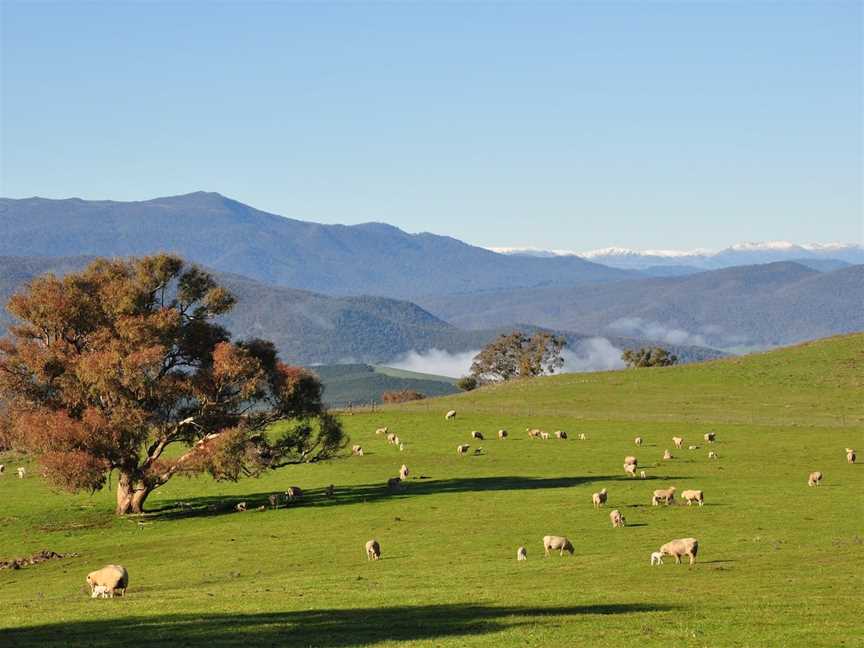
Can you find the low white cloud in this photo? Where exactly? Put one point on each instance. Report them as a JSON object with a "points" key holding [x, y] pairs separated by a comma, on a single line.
{"points": [[655, 331], [593, 354], [436, 361]]}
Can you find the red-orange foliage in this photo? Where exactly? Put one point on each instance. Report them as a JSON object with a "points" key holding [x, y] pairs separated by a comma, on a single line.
{"points": [[402, 396], [110, 366]]}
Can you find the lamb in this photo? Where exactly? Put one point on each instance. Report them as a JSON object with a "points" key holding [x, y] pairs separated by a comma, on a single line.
{"points": [[113, 578], [21, 472], [667, 454], [100, 591], [656, 558], [683, 547], [691, 496], [403, 472], [373, 550], [630, 469], [815, 478], [560, 434], [502, 434], [391, 437], [667, 496], [678, 441], [382, 430], [638, 441], [642, 474], [599, 499], [450, 415], [521, 553], [544, 436], [712, 455], [710, 436], [631, 460], [533, 433], [401, 447], [462, 449], [617, 519], [240, 507], [693, 447], [394, 482], [562, 544], [850, 456], [582, 436], [477, 435], [357, 450]]}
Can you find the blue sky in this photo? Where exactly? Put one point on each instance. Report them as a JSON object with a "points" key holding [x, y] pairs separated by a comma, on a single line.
{"points": [[566, 125]]}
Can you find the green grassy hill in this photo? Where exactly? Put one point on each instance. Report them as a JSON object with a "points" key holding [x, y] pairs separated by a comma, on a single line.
{"points": [[779, 562]]}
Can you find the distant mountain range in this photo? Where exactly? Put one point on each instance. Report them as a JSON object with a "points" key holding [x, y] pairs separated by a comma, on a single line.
{"points": [[820, 256], [369, 259], [762, 305]]}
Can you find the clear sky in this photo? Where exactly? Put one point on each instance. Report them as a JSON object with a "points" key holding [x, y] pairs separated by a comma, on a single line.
{"points": [[566, 125]]}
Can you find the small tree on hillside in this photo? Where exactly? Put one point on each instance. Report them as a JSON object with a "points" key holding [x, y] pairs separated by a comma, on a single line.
{"points": [[467, 383], [112, 366], [648, 357], [518, 356]]}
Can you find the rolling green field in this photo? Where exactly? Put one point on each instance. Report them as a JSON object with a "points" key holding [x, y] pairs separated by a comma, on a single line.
{"points": [[780, 564]]}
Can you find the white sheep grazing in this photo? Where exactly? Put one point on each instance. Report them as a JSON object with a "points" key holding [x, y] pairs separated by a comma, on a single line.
{"points": [[599, 499], [630, 469], [560, 434], [710, 436], [502, 434], [533, 433], [631, 460], [544, 436], [638, 441], [656, 558], [582, 436], [114, 578], [403, 472], [667, 496], [683, 547], [521, 553], [617, 519], [357, 450], [476, 435], [450, 415], [393, 483], [678, 441], [240, 507], [100, 591], [373, 550], [391, 437], [562, 544], [462, 449], [712, 455], [691, 496], [815, 478], [850, 456], [21, 472], [667, 455], [382, 430]]}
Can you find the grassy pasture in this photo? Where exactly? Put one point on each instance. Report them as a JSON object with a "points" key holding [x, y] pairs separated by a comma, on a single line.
{"points": [[780, 564]]}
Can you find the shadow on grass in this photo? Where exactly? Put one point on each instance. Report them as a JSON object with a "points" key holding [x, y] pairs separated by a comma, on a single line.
{"points": [[358, 493], [320, 628]]}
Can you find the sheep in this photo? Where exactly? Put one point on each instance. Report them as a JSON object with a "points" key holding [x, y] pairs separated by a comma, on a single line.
{"points": [[560, 434], [397, 441], [357, 450], [462, 449], [391, 437], [630, 469], [582, 436], [667, 496], [294, 493], [712, 455], [2, 468], [631, 460], [850, 456], [330, 490], [261, 508], [642, 474], [21, 472], [240, 507], [521, 553], [403, 472], [373, 550], [477, 435], [656, 558], [450, 415], [638, 441], [382, 430], [667, 454], [544, 436], [502, 434], [617, 519], [710, 437], [560, 543], [599, 499], [678, 441], [112, 578], [815, 478], [533, 433], [691, 496], [100, 591], [401, 447], [394, 482], [682, 547]]}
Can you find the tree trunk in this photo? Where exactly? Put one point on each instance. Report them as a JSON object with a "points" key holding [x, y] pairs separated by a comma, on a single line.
{"points": [[130, 494]]}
